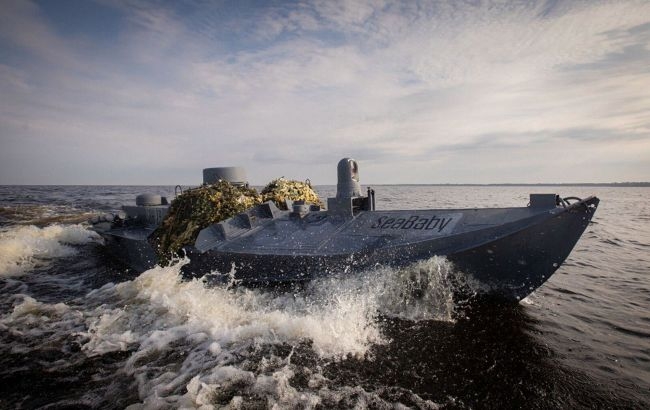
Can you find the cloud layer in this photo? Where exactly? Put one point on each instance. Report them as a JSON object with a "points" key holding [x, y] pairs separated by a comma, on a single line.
{"points": [[134, 92]]}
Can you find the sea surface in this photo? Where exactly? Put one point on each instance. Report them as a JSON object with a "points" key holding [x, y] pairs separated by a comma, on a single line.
{"points": [[79, 330]]}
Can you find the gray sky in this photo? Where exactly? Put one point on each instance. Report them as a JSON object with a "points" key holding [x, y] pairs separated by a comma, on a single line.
{"points": [[151, 92]]}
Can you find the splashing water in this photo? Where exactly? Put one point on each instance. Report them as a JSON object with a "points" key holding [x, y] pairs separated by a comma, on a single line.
{"points": [[220, 330], [23, 248], [422, 291], [188, 344]]}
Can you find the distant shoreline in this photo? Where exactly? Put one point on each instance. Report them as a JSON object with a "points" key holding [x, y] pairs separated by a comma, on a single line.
{"points": [[586, 184]]}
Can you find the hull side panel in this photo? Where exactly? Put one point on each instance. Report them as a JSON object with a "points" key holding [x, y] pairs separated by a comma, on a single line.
{"points": [[517, 264]]}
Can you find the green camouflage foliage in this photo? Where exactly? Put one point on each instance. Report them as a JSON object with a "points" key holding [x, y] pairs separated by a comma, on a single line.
{"points": [[198, 208], [282, 189]]}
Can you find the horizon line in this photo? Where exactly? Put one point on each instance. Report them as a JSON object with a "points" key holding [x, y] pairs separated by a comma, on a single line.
{"points": [[601, 184]]}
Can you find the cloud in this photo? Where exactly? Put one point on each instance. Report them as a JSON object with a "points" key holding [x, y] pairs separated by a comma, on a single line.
{"points": [[411, 88]]}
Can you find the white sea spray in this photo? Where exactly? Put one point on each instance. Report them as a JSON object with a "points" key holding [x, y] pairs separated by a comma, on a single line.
{"points": [[23, 248], [31, 319], [196, 345]]}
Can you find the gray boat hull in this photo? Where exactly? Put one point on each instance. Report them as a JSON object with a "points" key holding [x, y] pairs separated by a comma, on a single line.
{"points": [[131, 247], [510, 259], [516, 264]]}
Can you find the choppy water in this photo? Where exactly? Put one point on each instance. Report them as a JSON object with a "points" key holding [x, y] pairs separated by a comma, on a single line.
{"points": [[78, 330]]}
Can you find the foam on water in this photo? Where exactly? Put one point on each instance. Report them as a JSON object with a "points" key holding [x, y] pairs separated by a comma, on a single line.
{"points": [[50, 324], [24, 247], [194, 344]]}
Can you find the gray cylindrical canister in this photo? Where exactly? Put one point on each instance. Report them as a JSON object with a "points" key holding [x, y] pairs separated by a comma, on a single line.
{"points": [[148, 200], [234, 175]]}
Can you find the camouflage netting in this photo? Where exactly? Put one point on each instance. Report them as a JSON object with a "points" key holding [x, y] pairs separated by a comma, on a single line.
{"points": [[282, 189], [196, 209], [200, 207]]}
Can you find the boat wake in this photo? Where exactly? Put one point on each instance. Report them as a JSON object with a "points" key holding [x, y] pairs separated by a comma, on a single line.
{"points": [[187, 343], [24, 248]]}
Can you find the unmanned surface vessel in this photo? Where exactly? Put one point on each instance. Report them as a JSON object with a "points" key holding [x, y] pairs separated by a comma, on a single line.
{"points": [[511, 251]]}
